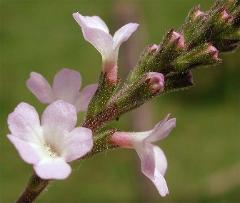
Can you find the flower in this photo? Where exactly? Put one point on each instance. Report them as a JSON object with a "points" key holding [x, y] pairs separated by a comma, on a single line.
{"points": [[153, 160], [66, 86], [51, 145], [97, 33]]}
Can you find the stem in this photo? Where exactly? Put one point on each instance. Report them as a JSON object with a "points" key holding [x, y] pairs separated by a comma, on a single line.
{"points": [[35, 186]]}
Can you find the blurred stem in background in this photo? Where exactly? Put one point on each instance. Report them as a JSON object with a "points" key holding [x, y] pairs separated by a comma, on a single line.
{"points": [[141, 118]]}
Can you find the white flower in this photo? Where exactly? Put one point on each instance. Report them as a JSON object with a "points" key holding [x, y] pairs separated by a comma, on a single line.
{"points": [[51, 144], [66, 86], [153, 160], [97, 33]]}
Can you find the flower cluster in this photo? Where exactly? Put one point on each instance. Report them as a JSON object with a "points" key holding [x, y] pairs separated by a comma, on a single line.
{"points": [[55, 140]]}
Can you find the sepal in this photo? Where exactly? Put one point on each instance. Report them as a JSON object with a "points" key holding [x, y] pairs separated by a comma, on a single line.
{"points": [[205, 54]]}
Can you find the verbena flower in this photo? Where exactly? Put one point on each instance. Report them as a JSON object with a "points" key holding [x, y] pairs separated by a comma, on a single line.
{"points": [[97, 33], [66, 86], [153, 160], [51, 144]]}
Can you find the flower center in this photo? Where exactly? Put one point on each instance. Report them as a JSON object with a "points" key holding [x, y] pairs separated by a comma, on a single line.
{"points": [[51, 150]]}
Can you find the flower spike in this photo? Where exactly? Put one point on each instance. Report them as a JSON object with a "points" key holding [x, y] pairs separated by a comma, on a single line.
{"points": [[66, 85], [96, 32], [153, 160], [50, 145]]}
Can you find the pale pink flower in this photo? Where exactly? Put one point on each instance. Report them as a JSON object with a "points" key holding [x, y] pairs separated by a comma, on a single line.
{"points": [[97, 33], [153, 160], [51, 144], [66, 86]]}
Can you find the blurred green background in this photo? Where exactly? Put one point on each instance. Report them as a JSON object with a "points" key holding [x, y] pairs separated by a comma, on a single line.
{"points": [[203, 151]]}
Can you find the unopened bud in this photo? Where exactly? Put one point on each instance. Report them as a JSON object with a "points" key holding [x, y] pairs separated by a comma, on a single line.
{"points": [[153, 48], [155, 81], [198, 14], [178, 39], [225, 16], [205, 54], [213, 52]]}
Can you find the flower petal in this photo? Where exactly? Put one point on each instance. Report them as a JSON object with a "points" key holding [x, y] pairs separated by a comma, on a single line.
{"points": [[123, 34], [59, 115], [153, 165], [160, 183], [26, 150], [160, 160], [146, 154], [52, 169], [92, 21], [161, 130], [66, 85], [78, 143], [24, 122], [96, 35], [85, 97], [152, 168], [40, 87]]}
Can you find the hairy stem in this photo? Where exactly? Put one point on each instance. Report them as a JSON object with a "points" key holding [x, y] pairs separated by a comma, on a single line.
{"points": [[34, 188]]}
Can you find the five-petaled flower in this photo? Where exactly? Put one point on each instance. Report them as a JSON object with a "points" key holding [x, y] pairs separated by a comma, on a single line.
{"points": [[153, 160], [66, 86], [97, 33], [51, 144]]}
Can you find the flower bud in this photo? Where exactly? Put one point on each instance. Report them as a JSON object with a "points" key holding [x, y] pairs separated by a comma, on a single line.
{"points": [[213, 52], [205, 54], [177, 39], [155, 81], [153, 48], [225, 16], [198, 14]]}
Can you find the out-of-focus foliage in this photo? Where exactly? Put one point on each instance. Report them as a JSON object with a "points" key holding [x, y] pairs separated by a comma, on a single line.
{"points": [[203, 151]]}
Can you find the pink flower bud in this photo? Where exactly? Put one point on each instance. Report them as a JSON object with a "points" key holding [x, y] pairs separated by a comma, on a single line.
{"points": [[225, 16], [198, 13], [213, 52], [177, 38], [155, 81], [153, 48]]}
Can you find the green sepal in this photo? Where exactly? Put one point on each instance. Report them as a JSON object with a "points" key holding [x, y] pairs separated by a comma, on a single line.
{"points": [[105, 90], [197, 56]]}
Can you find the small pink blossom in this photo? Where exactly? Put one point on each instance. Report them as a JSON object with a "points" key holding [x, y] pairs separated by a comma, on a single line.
{"points": [[96, 32], [153, 160], [213, 52], [225, 16], [155, 81], [154, 48], [66, 86], [198, 13], [51, 144], [177, 38]]}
